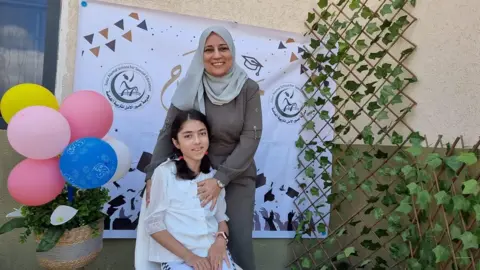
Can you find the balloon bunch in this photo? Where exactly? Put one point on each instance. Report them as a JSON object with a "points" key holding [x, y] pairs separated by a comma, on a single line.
{"points": [[64, 142]]}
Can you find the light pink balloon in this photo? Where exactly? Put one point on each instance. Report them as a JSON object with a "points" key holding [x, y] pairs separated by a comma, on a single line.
{"points": [[35, 182], [38, 132], [88, 113]]}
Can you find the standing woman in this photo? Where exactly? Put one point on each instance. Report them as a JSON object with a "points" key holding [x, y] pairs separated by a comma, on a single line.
{"points": [[219, 88]]}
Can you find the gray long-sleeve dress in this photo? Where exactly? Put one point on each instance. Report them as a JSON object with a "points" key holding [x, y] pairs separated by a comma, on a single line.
{"points": [[236, 128]]}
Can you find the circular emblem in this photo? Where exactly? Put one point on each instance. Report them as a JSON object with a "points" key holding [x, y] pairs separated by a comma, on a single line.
{"points": [[127, 86], [287, 102]]}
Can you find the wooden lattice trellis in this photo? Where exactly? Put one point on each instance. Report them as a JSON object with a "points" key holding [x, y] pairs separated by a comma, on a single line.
{"points": [[367, 185]]}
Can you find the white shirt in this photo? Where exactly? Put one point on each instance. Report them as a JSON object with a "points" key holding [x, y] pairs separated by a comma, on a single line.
{"points": [[175, 207]]}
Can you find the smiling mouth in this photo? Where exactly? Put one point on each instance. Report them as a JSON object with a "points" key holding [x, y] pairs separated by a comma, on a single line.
{"points": [[218, 64]]}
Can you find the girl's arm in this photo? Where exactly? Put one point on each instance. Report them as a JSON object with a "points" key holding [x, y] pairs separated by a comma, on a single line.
{"points": [[155, 224]]}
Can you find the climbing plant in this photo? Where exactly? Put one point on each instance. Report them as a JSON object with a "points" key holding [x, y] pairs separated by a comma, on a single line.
{"points": [[372, 195]]}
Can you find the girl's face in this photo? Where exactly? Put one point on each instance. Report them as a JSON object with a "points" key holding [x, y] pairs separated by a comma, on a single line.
{"points": [[192, 140], [217, 57]]}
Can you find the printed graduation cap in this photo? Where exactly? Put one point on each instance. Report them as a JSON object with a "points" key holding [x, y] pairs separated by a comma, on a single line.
{"points": [[252, 63], [292, 192], [260, 181], [144, 161]]}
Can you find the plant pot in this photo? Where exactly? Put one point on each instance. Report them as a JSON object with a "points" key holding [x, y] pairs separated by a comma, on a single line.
{"points": [[75, 249]]}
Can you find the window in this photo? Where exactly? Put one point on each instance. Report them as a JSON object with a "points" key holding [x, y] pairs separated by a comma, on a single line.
{"points": [[28, 43]]}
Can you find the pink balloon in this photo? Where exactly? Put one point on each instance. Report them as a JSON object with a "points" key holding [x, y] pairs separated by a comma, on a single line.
{"points": [[35, 182], [38, 132], [88, 113]]}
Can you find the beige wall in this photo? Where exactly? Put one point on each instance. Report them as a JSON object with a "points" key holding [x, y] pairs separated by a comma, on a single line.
{"points": [[447, 63]]}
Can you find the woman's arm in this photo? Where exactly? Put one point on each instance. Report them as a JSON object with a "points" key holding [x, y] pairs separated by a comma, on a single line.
{"points": [[242, 156], [164, 146]]}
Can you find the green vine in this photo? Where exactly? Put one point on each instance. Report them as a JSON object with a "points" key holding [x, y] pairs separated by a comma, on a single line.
{"points": [[419, 206]]}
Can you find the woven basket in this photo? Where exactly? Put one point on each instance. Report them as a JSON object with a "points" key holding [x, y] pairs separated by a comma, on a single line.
{"points": [[75, 249]]}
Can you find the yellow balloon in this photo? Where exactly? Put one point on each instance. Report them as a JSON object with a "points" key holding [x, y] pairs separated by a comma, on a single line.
{"points": [[25, 95]]}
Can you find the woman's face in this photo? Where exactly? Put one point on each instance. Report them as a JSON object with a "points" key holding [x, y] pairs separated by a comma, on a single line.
{"points": [[192, 140], [217, 57]]}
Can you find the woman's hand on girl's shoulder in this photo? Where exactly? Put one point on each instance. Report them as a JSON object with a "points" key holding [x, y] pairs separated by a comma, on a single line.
{"points": [[208, 191]]}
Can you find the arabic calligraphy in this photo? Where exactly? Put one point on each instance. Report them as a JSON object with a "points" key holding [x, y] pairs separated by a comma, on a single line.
{"points": [[175, 74]]}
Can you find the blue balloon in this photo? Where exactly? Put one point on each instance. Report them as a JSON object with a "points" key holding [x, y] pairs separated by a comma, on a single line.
{"points": [[88, 163]]}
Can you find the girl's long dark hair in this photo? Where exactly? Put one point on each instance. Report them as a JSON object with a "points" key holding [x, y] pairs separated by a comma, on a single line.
{"points": [[183, 171]]}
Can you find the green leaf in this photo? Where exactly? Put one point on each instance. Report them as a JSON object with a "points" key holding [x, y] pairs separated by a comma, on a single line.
{"points": [[318, 254], [322, 29], [404, 206], [469, 240], [413, 188], [441, 254], [357, 97], [50, 239], [310, 172], [352, 85], [309, 155], [405, 53], [408, 171], [433, 160], [442, 197], [476, 208], [321, 228], [354, 4], [365, 263], [413, 3], [383, 115], [378, 213], [381, 233], [322, 3], [399, 251], [306, 263], [349, 251], [310, 125], [372, 28], [311, 17], [324, 115], [389, 199], [460, 203], [398, 3], [386, 9], [470, 187], [300, 143], [314, 191], [413, 264], [12, 224], [361, 45], [366, 12], [467, 158], [437, 228], [415, 150], [367, 135], [396, 138], [423, 199], [455, 232]]}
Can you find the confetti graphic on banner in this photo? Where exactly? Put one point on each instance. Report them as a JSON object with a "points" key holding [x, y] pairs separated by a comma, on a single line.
{"points": [[128, 36], [89, 38], [104, 33], [111, 45], [143, 25], [95, 51], [290, 40], [281, 46], [134, 15], [120, 25]]}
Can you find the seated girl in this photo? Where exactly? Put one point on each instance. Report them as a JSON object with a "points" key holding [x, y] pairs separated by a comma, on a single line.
{"points": [[175, 232]]}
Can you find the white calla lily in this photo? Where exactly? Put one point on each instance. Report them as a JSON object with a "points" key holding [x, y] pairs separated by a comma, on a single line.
{"points": [[62, 214], [15, 214]]}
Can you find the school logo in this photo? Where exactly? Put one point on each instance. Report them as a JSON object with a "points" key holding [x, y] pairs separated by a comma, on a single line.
{"points": [[287, 102], [127, 86]]}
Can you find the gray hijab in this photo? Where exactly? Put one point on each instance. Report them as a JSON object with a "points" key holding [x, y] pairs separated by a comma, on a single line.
{"points": [[197, 82]]}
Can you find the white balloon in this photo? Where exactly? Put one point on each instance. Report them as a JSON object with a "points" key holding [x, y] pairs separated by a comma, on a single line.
{"points": [[124, 158], [62, 214]]}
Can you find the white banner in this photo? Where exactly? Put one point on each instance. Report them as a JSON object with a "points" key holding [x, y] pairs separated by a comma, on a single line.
{"points": [[136, 57]]}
